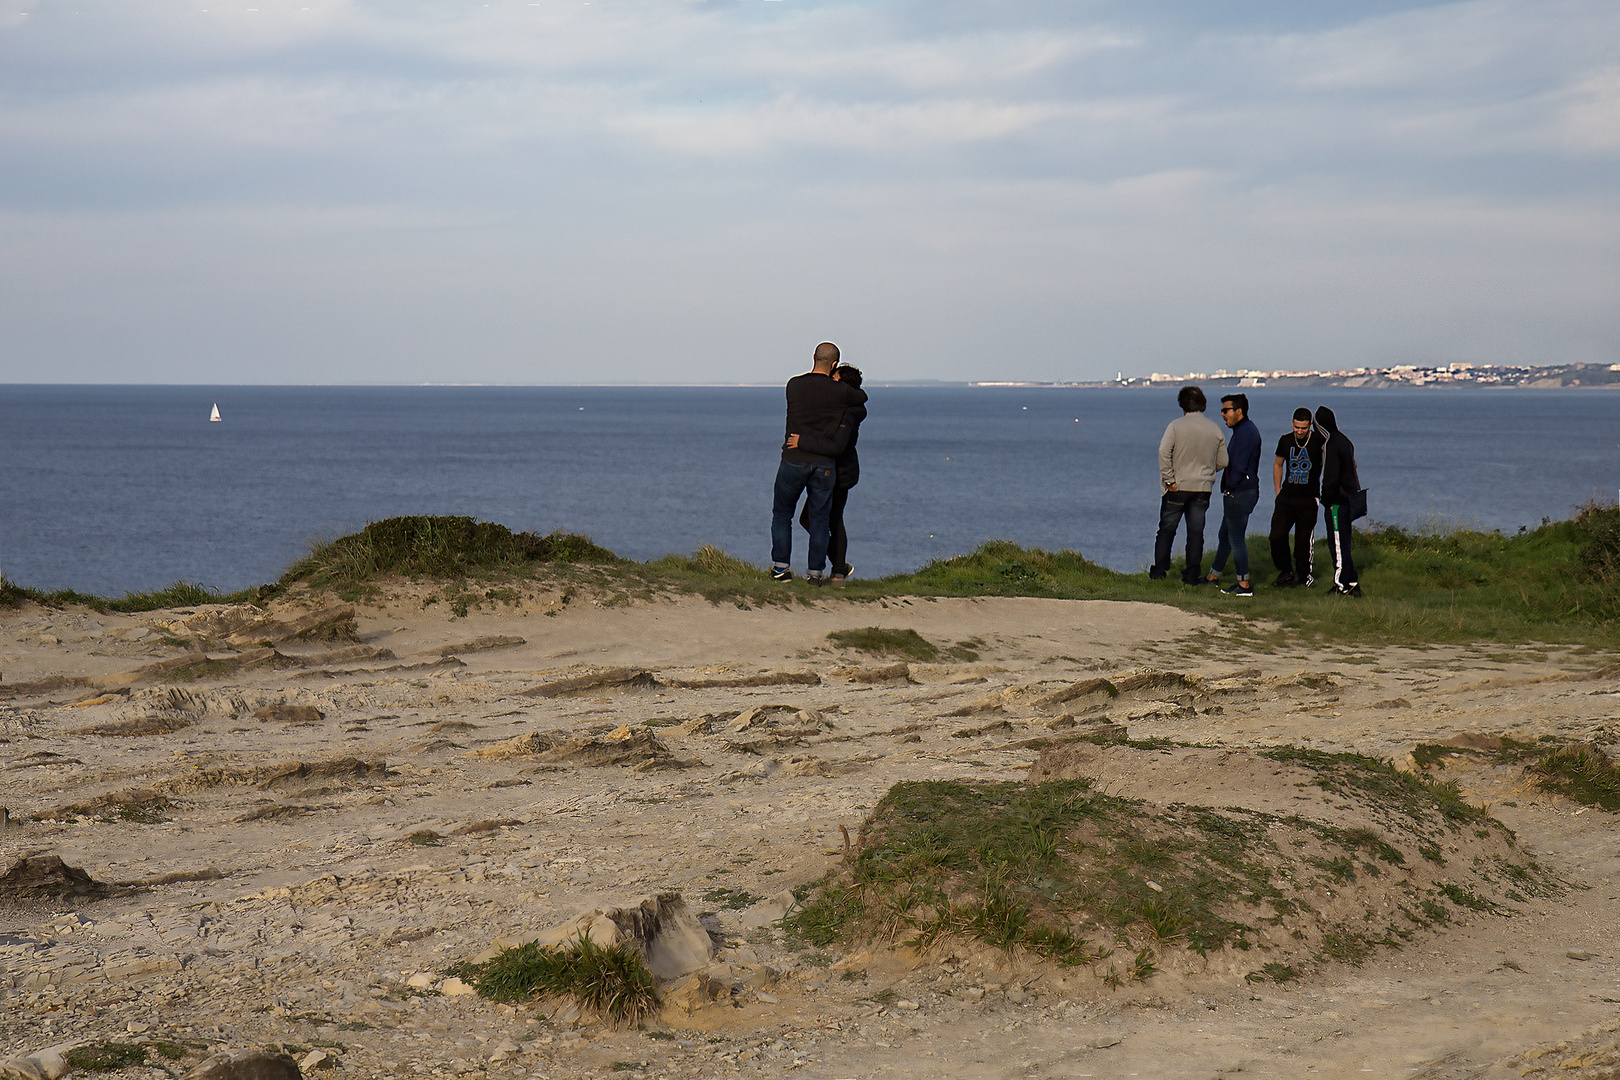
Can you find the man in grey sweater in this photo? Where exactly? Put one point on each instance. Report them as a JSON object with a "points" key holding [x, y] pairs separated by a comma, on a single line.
{"points": [[1191, 454]]}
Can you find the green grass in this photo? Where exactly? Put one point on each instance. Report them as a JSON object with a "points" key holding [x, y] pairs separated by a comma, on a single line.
{"points": [[107, 1056], [435, 547], [877, 639], [1557, 584], [179, 595], [613, 982], [1069, 872], [1576, 770]]}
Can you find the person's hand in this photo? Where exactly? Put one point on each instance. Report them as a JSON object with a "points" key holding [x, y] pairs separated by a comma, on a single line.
{"points": [[792, 442], [1169, 488]]}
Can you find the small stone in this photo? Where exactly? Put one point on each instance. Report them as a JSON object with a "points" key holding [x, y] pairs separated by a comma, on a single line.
{"points": [[317, 1059], [1579, 954], [421, 980], [1154, 885], [1104, 1042], [973, 993], [455, 988], [1017, 996], [909, 1006], [769, 999]]}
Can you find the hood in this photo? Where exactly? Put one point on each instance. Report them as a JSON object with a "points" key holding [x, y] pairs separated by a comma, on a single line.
{"points": [[1326, 419]]}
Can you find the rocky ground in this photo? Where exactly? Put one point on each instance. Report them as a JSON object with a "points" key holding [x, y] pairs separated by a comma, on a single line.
{"points": [[306, 819]]}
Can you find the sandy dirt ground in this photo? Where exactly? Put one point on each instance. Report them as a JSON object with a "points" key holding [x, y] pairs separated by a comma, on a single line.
{"points": [[304, 876]]}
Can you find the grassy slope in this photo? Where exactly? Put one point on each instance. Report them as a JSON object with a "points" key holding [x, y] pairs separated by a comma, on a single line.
{"points": [[1559, 584]]}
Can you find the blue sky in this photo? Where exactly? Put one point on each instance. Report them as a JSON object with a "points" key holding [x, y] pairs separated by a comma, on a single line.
{"points": [[250, 191]]}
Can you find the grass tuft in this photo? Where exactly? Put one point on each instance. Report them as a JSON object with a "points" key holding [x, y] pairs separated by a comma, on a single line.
{"points": [[611, 981], [877, 639], [438, 547], [106, 1056]]}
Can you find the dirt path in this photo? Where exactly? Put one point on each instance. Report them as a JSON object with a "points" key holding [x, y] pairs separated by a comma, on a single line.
{"points": [[310, 906]]}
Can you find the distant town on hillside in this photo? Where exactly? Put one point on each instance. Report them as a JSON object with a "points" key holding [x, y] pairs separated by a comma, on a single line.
{"points": [[1541, 377]]}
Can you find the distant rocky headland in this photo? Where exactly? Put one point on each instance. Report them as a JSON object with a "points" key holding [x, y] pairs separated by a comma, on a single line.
{"points": [[1537, 377]]}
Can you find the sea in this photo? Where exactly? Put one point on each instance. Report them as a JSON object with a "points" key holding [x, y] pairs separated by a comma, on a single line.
{"points": [[112, 489]]}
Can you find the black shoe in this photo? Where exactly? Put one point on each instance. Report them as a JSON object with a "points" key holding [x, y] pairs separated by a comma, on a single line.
{"points": [[844, 570], [781, 573], [1352, 590], [1285, 581], [815, 579], [1156, 575]]}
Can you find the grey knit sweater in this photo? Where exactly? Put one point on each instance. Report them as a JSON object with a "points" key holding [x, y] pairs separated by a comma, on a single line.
{"points": [[1192, 453]]}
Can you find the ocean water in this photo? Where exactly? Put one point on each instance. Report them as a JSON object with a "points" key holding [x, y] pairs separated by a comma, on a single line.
{"points": [[115, 488]]}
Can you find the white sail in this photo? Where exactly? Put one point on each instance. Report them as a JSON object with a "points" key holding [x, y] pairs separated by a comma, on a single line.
{"points": [[214, 416]]}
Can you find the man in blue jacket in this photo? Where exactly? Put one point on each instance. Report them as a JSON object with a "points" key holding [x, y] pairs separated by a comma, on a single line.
{"points": [[1240, 491]]}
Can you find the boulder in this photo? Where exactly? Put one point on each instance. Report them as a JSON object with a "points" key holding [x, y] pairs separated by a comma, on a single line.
{"points": [[247, 1065], [47, 877], [672, 941], [283, 713]]}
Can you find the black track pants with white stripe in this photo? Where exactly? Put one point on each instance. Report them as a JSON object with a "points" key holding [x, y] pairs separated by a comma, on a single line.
{"points": [[1338, 538]]}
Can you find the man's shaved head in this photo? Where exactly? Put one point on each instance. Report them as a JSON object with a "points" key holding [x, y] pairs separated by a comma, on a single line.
{"points": [[826, 357]]}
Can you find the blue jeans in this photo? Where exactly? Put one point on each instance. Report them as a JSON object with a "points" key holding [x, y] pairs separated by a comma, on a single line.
{"points": [[792, 478], [1172, 508], [1236, 506]]}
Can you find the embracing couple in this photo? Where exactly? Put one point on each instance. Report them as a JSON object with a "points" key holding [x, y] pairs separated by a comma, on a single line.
{"points": [[825, 407]]}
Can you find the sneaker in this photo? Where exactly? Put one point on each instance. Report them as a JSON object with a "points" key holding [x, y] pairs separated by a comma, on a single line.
{"points": [[1239, 589], [1353, 590], [843, 570], [781, 573], [1156, 575], [815, 579], [1285, 581]]}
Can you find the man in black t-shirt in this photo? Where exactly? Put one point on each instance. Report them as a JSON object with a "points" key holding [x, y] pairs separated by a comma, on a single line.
{"points": [[815, 406], [1296, 476]]}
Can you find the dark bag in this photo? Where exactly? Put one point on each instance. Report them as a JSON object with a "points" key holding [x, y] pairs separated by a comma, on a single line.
{"points": [[1357, 504]]}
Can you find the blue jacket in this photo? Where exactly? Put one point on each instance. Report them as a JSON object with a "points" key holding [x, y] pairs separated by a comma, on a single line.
{"points": [[1243, 458]]}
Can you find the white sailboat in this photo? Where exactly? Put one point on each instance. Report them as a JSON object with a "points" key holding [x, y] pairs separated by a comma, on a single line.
{"points": [[214, 416]]}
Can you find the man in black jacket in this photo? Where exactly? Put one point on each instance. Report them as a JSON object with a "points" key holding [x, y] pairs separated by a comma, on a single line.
{"points": [[1340, 483], [815, 406]]}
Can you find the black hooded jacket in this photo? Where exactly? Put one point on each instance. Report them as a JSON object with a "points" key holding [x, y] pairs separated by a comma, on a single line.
{"points": [[1339, 478]]}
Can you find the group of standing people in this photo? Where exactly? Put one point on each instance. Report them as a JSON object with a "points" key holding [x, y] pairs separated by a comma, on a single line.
{"points": [[1315, 464]]}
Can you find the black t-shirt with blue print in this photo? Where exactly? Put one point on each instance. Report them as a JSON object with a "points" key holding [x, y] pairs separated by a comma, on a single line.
{"points": [[1302, 466]]}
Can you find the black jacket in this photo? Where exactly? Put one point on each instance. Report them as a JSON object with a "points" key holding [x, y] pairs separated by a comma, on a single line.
{"points": [[815, 406], [841, 446], [1339, 478]]}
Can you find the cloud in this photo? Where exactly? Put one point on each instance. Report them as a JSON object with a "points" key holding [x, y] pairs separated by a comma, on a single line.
{"points": [[362, 189]]}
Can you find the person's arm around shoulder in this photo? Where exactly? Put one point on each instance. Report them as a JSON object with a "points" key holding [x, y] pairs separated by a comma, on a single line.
{"points": [[833, 447]]}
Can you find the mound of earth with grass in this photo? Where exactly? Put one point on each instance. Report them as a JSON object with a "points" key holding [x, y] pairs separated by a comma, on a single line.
{"points": [[1116, 862]]}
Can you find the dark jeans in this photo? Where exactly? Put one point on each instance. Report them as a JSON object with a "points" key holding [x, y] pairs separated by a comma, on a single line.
{"points": [[1236, 506], [838, 542], [792, 479], [1176, 504], [1298, 514], [1338, 536]]}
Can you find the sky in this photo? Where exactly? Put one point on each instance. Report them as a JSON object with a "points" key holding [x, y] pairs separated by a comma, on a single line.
{"points": [[698, 191]]}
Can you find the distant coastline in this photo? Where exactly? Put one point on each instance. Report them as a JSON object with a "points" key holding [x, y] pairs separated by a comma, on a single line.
{"points": [[1542, 377]]}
